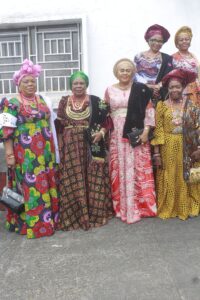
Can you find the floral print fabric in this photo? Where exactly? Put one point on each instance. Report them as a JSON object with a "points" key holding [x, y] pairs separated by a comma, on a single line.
{"points": [[147, 68], [132, 182], [191, 64], [35, 168]]}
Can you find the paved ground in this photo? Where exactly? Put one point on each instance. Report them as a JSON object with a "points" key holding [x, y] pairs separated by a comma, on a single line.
{"points": [[150, 260]]}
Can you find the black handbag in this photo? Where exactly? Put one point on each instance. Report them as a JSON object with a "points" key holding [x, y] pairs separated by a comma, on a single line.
{"points": [[98, 150], [11, 199], [134, 136]]}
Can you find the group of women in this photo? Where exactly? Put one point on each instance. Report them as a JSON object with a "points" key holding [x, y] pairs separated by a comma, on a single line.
{"points": [[85, 157]]}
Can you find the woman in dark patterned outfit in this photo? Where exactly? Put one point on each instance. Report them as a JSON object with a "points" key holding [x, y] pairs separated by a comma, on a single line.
{"points": [[82, 123]]}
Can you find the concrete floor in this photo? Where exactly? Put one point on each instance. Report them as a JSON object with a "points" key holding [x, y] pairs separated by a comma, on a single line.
{"points": [[150, 260]]}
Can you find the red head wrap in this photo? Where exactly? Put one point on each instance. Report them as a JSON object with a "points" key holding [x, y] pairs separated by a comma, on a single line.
{"points": [[182, 75]]}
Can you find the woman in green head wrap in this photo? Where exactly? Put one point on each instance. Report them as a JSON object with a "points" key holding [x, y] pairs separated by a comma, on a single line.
{"points": [[82, 124], [78, 74]]}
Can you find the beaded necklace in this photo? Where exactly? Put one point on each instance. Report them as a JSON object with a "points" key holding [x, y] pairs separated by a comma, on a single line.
{"points": [[177, 113], [77, 112], [77, 105], [30, 104]]}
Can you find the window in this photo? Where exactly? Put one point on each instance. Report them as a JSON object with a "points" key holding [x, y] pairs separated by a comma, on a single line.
{"points": [[57, 48]]}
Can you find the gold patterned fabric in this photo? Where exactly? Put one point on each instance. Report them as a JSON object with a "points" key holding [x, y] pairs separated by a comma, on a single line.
{"points": [[175, 198], [85, 197]]}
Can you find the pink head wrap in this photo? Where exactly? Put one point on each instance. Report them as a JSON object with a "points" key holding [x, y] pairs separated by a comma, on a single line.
{"points": [[157, 29], [182, 75], [27, 68]]}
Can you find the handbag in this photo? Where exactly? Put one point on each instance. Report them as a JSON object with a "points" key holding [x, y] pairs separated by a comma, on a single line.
{"points": [[194, 175], [88, 135], [134, 136], [10, 198], [97, 150]]}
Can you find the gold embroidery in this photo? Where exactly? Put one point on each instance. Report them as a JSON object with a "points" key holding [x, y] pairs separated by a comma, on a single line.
{"points": [[77, 115]]}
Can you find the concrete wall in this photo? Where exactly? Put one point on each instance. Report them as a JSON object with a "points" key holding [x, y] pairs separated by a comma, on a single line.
{"points": [[114, 29]]}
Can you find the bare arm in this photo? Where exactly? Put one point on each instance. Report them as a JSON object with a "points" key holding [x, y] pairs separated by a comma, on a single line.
{"points": [[9, 153]]}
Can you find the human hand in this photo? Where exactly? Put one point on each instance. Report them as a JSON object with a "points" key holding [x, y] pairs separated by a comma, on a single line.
{"points": [[196, 155], [10, 160], [155, 88], [97, 137], [157, 162], [144, 137]]}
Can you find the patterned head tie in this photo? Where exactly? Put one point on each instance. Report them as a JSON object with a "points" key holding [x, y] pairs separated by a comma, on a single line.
{"points": [[78, 74], [27, 68], [182, 75], [183, 29], [157, 29]]}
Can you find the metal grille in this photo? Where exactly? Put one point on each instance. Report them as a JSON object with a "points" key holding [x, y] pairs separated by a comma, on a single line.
{"points": [[57, 48]]}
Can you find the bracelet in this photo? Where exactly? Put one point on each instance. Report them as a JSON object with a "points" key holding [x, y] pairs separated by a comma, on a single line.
{"points": [[103, 133], [156, 154]]}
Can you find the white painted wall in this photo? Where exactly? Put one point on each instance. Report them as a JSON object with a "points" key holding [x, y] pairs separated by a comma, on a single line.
{"points": [[115, 28]]}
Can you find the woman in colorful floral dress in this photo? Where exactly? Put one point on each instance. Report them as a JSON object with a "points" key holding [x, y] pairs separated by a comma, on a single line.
{"points": [[30, 152], [84, 185], [132, 182]]}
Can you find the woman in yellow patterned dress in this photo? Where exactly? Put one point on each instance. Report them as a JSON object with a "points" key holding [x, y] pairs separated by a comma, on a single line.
{"points": [[175, 197]]}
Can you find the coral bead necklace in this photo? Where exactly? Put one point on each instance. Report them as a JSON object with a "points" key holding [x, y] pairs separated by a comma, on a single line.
{"points": [[30, 104]]}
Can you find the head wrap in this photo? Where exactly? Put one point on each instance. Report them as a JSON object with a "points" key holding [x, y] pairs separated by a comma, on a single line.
{"points": [[115, 68], [183, 29], [157, 29], [182, 75], [78, 74], [27, 68]]}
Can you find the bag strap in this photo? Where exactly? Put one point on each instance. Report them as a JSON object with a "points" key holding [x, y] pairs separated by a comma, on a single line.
{"points": [[11, 178]]}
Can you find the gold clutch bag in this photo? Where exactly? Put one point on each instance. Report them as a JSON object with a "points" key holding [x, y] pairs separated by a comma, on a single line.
{"points": [[194, 175]]}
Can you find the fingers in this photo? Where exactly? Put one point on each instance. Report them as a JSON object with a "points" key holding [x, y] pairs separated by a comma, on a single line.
{"points": [[96, 137]]}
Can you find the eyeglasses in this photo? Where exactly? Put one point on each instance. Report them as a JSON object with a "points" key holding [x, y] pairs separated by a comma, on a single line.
{"points": [[156, 41]]}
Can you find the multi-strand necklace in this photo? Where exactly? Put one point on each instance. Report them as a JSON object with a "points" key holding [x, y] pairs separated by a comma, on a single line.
{"points": [[76, 110], [77, 105], [30, 104]]}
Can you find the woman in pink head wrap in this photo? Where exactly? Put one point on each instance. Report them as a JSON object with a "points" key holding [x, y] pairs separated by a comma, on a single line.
{"points": [[30, 153], [152, 65]]}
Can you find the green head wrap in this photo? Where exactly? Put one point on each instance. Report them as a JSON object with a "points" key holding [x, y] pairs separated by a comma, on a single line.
{"points": [[78, 74]]}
